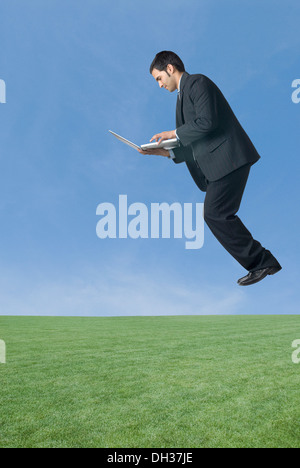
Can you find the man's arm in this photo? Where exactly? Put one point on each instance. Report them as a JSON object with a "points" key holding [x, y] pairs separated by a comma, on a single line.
{"points": [[204, 99], [179, 154], [157, 152], [176, 154], [161, 151], [159, 137]]}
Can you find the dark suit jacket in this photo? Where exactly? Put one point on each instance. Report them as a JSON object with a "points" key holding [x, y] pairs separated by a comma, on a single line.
{"points": [[212, 141]]}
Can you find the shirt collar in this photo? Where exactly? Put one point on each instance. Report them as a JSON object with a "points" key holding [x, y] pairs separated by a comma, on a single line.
{"points": [[179, 84]]}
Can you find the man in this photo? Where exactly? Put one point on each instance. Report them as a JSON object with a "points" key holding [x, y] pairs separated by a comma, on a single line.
{"points": [[218, 154]]}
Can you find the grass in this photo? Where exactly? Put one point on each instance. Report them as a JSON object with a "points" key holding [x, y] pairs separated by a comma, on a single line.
{"points": [[158, 382]]}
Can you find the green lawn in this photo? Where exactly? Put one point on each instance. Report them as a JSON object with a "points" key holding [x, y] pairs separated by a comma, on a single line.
{"points": [[158, 382]]}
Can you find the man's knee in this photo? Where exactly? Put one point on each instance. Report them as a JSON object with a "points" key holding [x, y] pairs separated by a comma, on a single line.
{"points": [[209, 214], [218, 213]]}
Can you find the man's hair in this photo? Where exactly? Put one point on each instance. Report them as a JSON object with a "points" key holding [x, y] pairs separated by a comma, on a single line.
{"points": [[165, 58]]}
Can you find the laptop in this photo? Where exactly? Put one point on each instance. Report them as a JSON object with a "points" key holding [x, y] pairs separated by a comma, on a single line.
{"points": [[166, 144]]}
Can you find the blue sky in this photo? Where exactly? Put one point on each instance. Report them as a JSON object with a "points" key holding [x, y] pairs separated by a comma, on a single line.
{"points": [[75, 69]]}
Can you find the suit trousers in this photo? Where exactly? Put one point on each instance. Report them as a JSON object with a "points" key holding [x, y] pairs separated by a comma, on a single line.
{"points": [[222, 202]]}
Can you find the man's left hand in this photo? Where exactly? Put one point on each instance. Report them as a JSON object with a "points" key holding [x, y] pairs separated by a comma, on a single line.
{"points": [[164, 136]]}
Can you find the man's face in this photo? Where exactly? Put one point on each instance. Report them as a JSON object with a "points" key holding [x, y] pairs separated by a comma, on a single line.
{"points": [[165, 79]]}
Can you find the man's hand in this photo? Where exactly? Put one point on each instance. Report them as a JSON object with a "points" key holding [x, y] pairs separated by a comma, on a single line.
{"points": [[157, 152], [164, 136]]}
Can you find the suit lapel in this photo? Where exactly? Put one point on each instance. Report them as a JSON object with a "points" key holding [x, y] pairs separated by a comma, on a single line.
{"points": [[179, 113], [179, 116]]}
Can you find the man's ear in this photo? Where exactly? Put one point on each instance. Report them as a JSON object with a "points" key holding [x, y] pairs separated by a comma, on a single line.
{"points": [[170, 69]]}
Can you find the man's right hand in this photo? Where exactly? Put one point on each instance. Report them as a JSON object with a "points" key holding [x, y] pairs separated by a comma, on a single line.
{"points": [[157, 152]]}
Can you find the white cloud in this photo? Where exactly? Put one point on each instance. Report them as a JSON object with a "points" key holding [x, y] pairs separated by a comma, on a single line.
{"points": [[116, 291]]}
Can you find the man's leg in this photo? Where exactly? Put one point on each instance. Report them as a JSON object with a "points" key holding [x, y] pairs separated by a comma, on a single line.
{"points": [[222, 202]]}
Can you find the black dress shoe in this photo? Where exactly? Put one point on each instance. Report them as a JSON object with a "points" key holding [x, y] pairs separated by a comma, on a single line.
{"points": [[258, 275]]}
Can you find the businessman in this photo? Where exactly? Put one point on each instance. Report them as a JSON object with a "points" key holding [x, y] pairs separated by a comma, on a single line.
{"points": [[218, 154]]}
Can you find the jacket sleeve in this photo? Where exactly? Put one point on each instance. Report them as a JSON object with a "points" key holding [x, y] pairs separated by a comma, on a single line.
{"points": [[204, 99], [181, 154]]}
